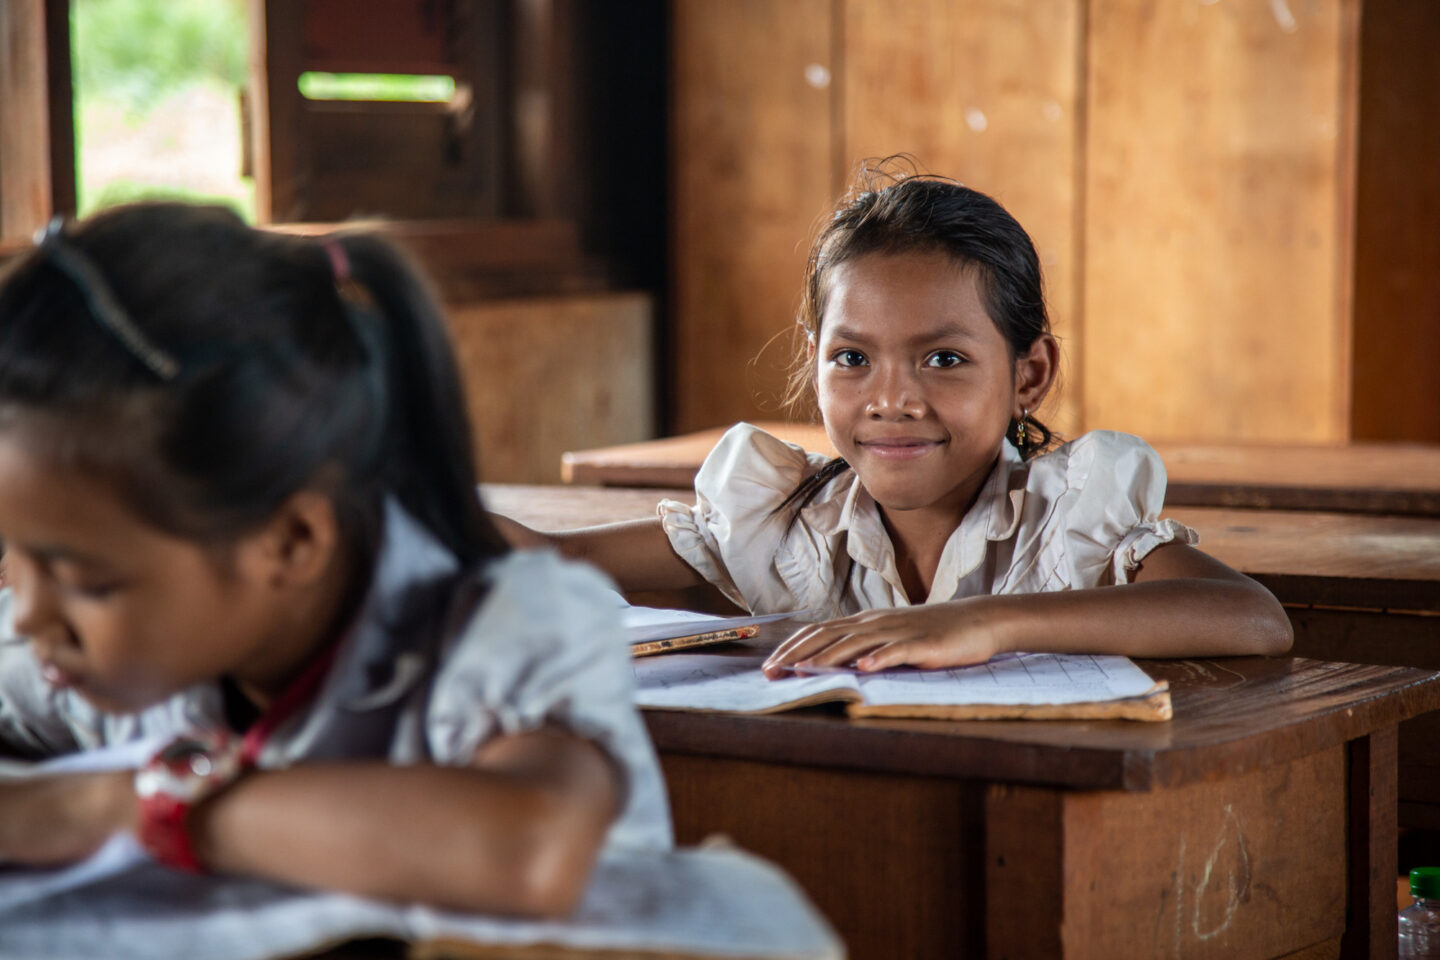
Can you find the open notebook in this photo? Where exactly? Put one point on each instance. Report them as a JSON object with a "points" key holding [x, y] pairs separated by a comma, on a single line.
{"points": [[650, 904], [1036, 686]]}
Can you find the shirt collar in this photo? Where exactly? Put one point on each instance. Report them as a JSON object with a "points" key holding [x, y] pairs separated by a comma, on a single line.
{"points": [[845, 507], [383, 655]]}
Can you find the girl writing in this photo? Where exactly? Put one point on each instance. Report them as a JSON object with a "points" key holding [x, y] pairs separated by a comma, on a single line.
{"points": [[944, 533], [239, 511]]}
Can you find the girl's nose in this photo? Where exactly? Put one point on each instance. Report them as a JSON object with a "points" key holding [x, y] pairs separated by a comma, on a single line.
{"points": [[896, 394]]}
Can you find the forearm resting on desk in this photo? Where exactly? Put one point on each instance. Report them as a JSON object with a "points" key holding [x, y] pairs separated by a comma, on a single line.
{"points": [[1183, 604], [516, 835], [635, 553]]}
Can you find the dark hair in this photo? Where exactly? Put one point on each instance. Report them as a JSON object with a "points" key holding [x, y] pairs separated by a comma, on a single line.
{"points": [[210, 371], [891, 209]]}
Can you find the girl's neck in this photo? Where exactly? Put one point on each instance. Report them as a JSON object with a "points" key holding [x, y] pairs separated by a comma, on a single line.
{"points": [[316, 619], [918, 538]]}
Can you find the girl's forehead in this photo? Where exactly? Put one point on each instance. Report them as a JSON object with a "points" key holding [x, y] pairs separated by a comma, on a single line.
{"points": [[893, 293], [46, 494]]}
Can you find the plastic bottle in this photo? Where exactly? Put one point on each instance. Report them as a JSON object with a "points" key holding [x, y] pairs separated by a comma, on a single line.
{"points": [[1420, 922]]}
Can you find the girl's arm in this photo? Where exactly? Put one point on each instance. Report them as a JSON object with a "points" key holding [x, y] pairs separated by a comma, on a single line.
{"points": [[516, 833], [636, 554], [1182, 603]]}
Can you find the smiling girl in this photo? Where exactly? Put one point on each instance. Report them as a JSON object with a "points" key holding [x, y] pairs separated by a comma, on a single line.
{"points": [[944, 532]]}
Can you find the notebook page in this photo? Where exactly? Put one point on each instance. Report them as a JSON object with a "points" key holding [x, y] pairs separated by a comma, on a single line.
{"points": [[718, 903], [721, 682], [121, 852], [713, 902], [1027, 679]]}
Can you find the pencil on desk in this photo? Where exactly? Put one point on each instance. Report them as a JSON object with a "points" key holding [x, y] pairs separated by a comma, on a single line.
{"points": [[695, 640]]}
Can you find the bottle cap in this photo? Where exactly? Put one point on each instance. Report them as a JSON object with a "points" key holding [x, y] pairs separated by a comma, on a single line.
{"points": [[1425, 882]]}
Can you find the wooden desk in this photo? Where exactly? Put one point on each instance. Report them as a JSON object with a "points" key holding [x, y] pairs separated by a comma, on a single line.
{"points": [[1259, 823], [1357, 587], [1402, 479]]}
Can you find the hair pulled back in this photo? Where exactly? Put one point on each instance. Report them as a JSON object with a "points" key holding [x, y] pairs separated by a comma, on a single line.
{"points": [[277, 380], [891, 209]]}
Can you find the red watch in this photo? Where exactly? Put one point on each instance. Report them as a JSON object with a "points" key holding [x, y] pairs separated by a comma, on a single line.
{"points": [[173, 782]]}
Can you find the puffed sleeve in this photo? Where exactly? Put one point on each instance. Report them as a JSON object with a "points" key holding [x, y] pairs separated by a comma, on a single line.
{"points": [[545, 645], [732, 534], [32, 716], [1106, 519]]}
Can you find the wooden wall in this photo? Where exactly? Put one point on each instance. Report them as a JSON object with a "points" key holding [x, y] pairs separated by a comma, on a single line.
{"points": [[752, 167], [547, 375], [1236, 204], [37, 129], [1217, 181]]}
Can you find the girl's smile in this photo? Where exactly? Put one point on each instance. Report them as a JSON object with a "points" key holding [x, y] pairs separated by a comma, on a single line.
{"points": [[900, 447]]}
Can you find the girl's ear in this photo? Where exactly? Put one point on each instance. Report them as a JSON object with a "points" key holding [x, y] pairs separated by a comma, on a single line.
{"points": [[301, 539], [1035, 371]]}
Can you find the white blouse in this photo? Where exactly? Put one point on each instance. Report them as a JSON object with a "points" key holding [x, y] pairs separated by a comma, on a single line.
{"points": [[1083, 515]]}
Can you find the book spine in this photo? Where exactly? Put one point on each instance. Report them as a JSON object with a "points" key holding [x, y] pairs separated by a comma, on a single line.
{"points": [[699, 639]]}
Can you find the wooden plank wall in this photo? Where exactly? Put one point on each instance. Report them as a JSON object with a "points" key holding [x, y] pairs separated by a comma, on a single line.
{"points": [[752, 128], [551, 374], [1397, 212], [1189, 171], [1214, 193]]}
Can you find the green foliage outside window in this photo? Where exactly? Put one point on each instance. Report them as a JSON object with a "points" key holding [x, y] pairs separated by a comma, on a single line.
{"points": [[157, 86]]}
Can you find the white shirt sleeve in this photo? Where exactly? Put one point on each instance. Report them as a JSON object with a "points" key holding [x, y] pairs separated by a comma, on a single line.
{"points": [[33, 721], [546, 645], [733, 535], [1106, 491]]}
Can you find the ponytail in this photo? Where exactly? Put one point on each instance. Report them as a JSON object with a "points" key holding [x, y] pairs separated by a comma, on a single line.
{"points": [[425, 456]]}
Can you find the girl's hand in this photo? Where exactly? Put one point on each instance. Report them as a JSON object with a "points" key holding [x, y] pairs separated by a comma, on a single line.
{"points": [[61, 819], [952, 634]]}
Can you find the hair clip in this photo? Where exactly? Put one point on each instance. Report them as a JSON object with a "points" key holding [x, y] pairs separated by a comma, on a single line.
{"points": [[351, 291], [104, 308]]}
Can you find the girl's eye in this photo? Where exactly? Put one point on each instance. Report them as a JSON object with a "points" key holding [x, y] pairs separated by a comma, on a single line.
{"points": [[86, 585], [92, 591], [850, 358], [944, 358]]}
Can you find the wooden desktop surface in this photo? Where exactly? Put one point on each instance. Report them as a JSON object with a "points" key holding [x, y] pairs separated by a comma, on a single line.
{"points": [[1259, 822], [1401, 479], [921, 838]]}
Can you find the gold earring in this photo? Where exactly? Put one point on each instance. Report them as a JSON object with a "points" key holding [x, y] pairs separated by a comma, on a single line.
{"points": [[1020, 427]]}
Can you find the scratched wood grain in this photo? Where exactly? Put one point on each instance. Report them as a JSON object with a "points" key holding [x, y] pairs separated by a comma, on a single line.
{"points": [[1207, 870]]}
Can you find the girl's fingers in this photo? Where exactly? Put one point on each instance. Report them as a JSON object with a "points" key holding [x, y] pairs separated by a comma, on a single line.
{"points": [[801, 645], [829, 644]]}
